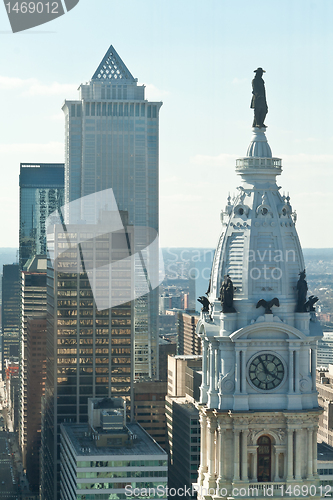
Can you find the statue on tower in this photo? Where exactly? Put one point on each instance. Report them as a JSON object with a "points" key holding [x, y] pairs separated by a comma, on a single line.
{"points": [[302, 288], [258, 102], [227, 295]]}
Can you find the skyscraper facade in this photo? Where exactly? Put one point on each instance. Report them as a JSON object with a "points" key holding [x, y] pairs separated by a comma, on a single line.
{"points": [[10, 312], [33, 305], [41, 193], [112, 135], [89, 350]]}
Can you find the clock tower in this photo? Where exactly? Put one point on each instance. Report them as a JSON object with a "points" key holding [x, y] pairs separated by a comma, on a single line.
{"points": [[258, 408]]}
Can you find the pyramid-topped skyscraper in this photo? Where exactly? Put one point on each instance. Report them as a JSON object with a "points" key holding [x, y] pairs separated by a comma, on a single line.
{"points": [[112, 141], [259, 410]]}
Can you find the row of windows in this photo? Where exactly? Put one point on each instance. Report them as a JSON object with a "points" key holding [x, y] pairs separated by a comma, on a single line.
{"points": [[325, 472], [114, 109], [124, 463], [99, 486], [134, 473]]}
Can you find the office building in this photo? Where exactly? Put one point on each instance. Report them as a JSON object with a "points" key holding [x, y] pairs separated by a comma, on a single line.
{"points": [[166, 348], [12, 381], [10, 313], [325, 466], [325, 350], [33, 305], [41, 193], [258, 407], [325, 399], [188, 341], [105, 458], [35, 389], [149, 408], [89, 349], [182, 416], [112, 135]]}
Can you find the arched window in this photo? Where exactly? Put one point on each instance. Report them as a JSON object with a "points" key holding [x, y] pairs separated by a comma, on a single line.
{"points": [[264, 459]]}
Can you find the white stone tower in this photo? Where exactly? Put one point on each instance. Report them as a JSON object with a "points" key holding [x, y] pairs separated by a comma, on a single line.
{"points": [[258, 409]]}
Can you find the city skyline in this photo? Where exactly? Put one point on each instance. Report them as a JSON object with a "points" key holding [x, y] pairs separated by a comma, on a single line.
{"points": [[200, 64]]}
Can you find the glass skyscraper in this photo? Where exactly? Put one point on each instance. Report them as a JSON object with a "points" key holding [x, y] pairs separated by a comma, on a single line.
{"points": [[41, 193], [112, 136], [10, 312], [92, 351]]}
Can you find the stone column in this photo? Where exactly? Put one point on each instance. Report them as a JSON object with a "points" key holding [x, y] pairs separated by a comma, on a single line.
{"points": [[313, 366], [291, 371], [244, 454], [299, 455], [204, 362], [277, 454], [211, 452], [237, 372], [203, 449], [290, 458], [244, 371], [255, 465], [204, 385], [314, 450], [297, 371], [212, 367], [236, 455], [221, 436], [310, 454]]}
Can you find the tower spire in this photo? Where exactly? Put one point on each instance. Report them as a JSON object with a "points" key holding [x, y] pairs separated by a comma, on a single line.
{"points": [[112, 68]]}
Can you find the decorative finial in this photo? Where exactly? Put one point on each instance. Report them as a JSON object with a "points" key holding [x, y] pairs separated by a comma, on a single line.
{"points": [[258, 102]]}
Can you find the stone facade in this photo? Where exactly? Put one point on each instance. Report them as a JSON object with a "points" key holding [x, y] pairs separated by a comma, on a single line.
{"points": [[258, 405]]}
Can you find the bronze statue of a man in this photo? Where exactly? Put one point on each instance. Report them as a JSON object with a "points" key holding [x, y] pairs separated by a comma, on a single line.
{"points": [[258, 102], [227, 295]]}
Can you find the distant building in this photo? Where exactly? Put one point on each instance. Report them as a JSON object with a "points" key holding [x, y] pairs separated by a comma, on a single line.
{"points": [[35, 389], [188, 342], [10, 313], [33, 305], [324, 385], [41, 193], [325, 350], [178, 375], [325, 465], [183, 427], [167, 347], [149, 408], [12, 381], [105, 458]]}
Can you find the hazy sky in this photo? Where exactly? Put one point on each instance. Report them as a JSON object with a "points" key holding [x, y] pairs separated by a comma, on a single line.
{"points": [[197, 57]]}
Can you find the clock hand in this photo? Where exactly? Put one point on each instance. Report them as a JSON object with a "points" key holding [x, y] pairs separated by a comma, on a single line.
{"points": [[264, 366]]}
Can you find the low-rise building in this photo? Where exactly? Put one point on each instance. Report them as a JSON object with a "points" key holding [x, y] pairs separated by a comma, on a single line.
{"points": [[149, 408], [182, 416], [325, 350], [108, 458], [325, 400]]}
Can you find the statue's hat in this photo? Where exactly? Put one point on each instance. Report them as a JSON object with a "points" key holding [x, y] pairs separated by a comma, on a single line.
{"points": [[259, 69]]}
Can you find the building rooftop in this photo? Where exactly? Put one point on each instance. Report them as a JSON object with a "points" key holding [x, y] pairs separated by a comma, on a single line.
{"points": [[79, 435], [324, 452]]}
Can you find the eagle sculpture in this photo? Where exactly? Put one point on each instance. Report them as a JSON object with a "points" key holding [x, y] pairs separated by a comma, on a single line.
{"points": [[309, 305], [205, 303], [268, 305]]}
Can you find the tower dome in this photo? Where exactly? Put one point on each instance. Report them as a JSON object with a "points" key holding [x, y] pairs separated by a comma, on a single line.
{"points": [[258, 247], [258, 397]]}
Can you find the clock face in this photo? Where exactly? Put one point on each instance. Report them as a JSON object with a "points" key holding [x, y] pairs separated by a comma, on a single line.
{"points": [[266, 371]]}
